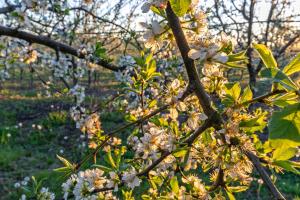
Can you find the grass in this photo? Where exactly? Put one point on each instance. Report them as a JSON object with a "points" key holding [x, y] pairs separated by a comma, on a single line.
{"points": [[28, 151]]}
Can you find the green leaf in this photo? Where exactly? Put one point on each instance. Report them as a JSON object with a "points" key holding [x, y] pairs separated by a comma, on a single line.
{"points": [[174, 185], [279, 77], [288, 165], [103, 168], [151, 68], [233, 91], [181, 152], [158, 11], [100, 51], [230, 195], [284, 152], [241, 56], [207, 137], [253, 125], [235, 65], [130, 118], [285, 99], [180, 7], [64, 161], [68, 166], [109, 159], [240, 188], [284, 127], [152, 103], [247, 95], [293, 66], [266, 55]]}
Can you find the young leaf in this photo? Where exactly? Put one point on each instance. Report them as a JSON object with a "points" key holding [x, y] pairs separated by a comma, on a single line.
{"points": [[158, 11], [174, 185], [240, 188], [181, 152], [104, 168], [235, 65], [285, 99], [180, 7], [288, 166], [151, 68], [279, 77], [293, 66], [110, 160], [233, 91], [230, 195], [130, 118], [241, 56], [284, 152], [254, 124], [68, 167], [64, 161], [100, 51], [247, 95], [266, 55]]}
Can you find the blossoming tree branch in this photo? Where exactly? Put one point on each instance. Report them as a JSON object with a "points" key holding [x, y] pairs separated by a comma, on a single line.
{"points": [[190, 133]]}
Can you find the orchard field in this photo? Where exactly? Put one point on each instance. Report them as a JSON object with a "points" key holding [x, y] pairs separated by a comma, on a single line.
{"points": [[149, 99]]}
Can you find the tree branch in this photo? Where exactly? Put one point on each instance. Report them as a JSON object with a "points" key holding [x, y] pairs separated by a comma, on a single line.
{"points": [[7, 9], [184, 48], [262, 97], [264, 175], [287, 45], [46, 41]]}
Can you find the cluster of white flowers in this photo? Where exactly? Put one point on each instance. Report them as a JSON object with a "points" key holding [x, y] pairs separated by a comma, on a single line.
{"points": [[44, 194], [124, 76], [78, 91], [91, 125], [24, 182], [130, 178], [34, 3], [78, 114], [154, 140], [198, 188], [151, 35], [61, 68], [204, 47], [85, 183], [41, 194], [23, 10]]}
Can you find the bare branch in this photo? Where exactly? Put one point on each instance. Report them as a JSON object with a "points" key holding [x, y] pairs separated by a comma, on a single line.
{"points": [[287, 45], [8, 9]]}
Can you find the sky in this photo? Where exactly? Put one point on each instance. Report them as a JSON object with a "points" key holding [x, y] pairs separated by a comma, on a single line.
{"points": [[261, 9]]}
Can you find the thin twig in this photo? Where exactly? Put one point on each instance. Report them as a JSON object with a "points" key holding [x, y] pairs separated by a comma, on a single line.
{"points": [[264, 175]]}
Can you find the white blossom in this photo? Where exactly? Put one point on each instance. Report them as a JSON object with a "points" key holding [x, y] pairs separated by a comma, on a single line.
{"points": [[130, 178]]}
